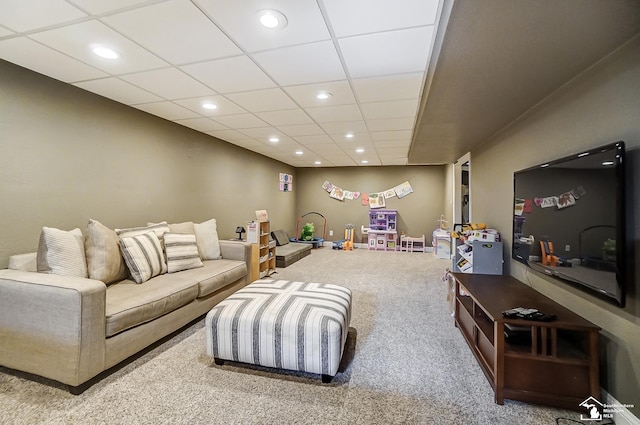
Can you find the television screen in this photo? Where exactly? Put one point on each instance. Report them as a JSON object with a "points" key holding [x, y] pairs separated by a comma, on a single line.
{"points": [[568, 220]]}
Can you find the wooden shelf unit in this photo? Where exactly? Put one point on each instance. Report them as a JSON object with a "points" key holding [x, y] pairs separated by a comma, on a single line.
{"points": [[266, 251], [552, 363]]}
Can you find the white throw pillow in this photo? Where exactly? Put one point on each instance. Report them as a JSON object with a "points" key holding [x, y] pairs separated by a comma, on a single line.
{"points": [[159, 229], [143, 256], [207, 239], [62, 252], [182, 252]]}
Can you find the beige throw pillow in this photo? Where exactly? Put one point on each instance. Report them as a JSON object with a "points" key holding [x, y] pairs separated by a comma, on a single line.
{"points": [[207, 239], [62, 252], [182, 252], [104, 260]]}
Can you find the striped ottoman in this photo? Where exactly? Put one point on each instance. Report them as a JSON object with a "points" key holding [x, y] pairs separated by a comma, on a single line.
{"points": [[282, 324]]}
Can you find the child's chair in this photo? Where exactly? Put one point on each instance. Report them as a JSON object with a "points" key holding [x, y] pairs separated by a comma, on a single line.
{"points": [[548, 259]]}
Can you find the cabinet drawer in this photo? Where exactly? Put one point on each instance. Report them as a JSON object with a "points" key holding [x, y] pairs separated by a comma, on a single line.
{"points": [[486, 349]]}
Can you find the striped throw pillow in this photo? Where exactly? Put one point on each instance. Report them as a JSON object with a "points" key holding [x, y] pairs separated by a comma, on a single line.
{"points": [[182, 252], [143, 256]]}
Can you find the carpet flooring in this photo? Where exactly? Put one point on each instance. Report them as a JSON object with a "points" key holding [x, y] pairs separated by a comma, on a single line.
{"points": [[405, 363]]}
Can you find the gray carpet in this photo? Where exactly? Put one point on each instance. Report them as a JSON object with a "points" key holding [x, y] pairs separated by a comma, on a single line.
{"points": [[405, 364]]}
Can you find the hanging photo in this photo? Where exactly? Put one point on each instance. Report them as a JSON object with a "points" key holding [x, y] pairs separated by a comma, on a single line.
{"points": [[376, 200], [337, 193], [389, 193], [365, 200], [403, 189], [550, 201], [566, 200], [348, 195], [327, 186]]}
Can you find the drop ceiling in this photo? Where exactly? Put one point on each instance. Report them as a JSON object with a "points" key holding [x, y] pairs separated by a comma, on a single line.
{"points": [[413, 81], [176, 55]]}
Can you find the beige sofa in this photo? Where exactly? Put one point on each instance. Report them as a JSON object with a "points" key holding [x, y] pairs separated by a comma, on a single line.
{"points": [[71, 328]]}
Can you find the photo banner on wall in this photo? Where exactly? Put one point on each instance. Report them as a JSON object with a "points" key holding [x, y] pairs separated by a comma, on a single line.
{"points": [[285, 182], [372, 200]]}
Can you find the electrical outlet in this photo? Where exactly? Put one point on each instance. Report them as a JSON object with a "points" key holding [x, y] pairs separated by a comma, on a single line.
{"points": [[331, 233], [567, 248]]}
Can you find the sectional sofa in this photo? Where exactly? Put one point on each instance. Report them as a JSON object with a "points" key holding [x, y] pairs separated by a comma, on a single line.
{"points": [[85, 302]]}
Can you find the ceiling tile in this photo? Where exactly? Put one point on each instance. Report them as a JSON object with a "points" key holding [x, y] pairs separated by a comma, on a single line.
{"points": [[391, 124], [224, 106], [358, 137], [392, 152], [33, 55], [280, 118], [178, 32], [227, 135], [381, 144], [201, 124], [367, 16], [167, 110], [264, 133], [314, 140], [76, 41], [316, 62], [239, 19], [306, 95], [118, 90], [5, 32], [335, 113], [263, 100], [182, 85], [240, 121], [387, 53], [230, 75], [300, 129], [97, 7], [20, 17], [394, 87], [402, 135], [392, 109], [345, 127]]}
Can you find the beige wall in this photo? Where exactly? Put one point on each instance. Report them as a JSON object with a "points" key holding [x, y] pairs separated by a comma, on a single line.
{"points": [[417, 213], [67, 155], [600, 106]]}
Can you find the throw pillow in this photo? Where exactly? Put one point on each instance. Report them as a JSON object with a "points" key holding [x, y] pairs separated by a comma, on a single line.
{"points": [[61, 252], [159, 229], [143, 256], [104, 260], [207, 240], [184, 227], [182, 252]]}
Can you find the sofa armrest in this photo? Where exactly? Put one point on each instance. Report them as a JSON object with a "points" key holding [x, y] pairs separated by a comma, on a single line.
{"points": [[236, 250], [52, 326]]}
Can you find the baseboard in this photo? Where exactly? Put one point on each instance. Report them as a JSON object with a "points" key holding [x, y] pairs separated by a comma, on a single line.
{"points": [[621, 415]]}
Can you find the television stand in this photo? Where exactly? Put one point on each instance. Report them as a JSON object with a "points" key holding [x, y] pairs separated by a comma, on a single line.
{"points": [[552, 363]]}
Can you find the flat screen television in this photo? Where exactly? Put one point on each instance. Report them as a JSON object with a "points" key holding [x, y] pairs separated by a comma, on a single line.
{"points": [[569, 220]]}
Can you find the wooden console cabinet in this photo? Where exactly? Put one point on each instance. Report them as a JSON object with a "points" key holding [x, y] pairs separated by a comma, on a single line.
{"points": [[552, 363]]}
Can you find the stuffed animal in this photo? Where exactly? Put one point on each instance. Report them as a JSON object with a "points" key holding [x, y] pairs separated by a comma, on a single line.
{"points": [[307, 232]]}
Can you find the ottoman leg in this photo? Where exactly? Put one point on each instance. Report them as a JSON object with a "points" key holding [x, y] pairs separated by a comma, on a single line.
{"points": [[326, 379], [219, 362]]}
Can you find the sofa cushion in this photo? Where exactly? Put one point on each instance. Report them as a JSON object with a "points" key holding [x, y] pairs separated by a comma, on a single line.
{"points": [[182, 252], [62, 252], [143, 255], [129, 304], [216, 274], [290, 253], [102, 247], [280, 236], [207, 239]]}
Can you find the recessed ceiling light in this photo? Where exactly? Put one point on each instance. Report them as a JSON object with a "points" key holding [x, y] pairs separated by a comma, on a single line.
{"points": [[274, 139], [209, 105], [324, 95], [364, 161], [317, 162], [299, 152], [349, 136], [272, 19], [607, 163], [105, 52], [359, 150]]}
